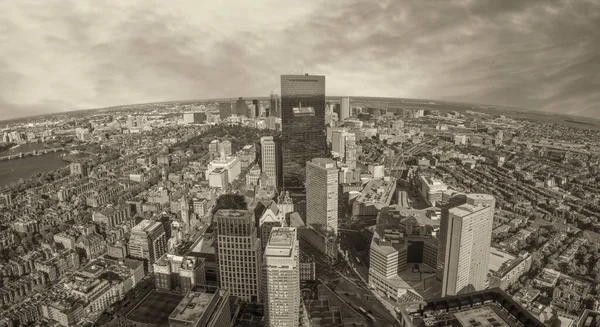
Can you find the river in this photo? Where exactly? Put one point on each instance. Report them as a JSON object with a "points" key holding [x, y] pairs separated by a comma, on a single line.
{"points": [[13, 170], [28, 147]]}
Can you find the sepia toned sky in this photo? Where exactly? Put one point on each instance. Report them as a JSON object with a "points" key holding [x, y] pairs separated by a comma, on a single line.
{"points": [[59, 55]]}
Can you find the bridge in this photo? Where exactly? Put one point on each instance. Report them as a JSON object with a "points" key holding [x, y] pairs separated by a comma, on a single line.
{"points": [[31, 153]]}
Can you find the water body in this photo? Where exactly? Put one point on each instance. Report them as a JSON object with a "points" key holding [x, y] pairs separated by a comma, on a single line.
{"points": [[13, 170], [28, 147]]}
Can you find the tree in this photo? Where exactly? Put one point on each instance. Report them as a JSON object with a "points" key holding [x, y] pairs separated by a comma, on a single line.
{"points": [[230, 201]]}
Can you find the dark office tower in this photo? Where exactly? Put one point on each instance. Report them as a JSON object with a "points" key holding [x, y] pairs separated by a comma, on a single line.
{"points": [[256, 104], [303, 125], [337, 109], [241, 107], [224, 110]]}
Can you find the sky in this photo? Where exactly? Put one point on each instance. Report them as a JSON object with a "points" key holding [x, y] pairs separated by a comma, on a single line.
{"points": [[59, 55]]}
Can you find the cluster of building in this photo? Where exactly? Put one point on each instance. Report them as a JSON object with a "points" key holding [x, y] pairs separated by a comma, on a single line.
{"points": [[430, 192]]}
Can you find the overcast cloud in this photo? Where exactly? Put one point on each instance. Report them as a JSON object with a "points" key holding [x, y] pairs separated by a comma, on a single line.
{"points": [[59, 55]]}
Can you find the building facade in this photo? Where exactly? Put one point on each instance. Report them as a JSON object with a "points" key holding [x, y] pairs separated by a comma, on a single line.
{"points": [[345, 108], [238, 253], [148, 241], [303, 125], [322, 195], [271, 160], [467, 232], [281, 278], [179, 273]]}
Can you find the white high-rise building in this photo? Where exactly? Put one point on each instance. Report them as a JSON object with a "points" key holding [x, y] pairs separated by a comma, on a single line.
{"points": [[238, 253], [322, 195], [466, 230], [345, 108], [269, 152], [281, 278], [338, 143], [343, 144], [351, 154]]}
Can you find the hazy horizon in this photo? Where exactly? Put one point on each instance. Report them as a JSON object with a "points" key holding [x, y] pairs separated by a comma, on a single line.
{"points": [[71, 55]]}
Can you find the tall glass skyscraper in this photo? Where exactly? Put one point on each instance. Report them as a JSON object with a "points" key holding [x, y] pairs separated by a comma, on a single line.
{"points": [[303, 125]]}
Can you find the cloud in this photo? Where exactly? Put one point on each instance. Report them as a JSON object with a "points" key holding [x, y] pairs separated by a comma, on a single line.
{"points": [[67, 54]]}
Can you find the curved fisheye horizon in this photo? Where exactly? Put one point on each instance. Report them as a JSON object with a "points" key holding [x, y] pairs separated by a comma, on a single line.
{"points": [[537, 55], [445, 105], [300, 163]]}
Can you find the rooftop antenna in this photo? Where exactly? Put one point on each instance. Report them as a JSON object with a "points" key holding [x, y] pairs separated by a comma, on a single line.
{"points": [[301, 70]]}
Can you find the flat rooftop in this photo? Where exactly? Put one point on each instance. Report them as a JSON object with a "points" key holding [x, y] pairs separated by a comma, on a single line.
{"points": [[324, 163], [233, 213], [192, 306], [281, 242], [482, 317], [430, 181], [282, 237], [478, 196], [497, 258], [465, 210], [377, 190], [146, 225]]}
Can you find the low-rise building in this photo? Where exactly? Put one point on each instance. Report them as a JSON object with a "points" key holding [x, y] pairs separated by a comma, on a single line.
{"points": [[178, 273], [402, 247], [377, 194], [510, 272], [431, 189], [204, 306]]}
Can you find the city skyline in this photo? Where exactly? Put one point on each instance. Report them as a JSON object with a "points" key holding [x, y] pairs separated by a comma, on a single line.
{"points": [[164, 214], [527, 54]]}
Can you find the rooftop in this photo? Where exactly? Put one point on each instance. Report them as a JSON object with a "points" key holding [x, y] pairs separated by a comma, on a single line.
{"points": [[146, 225], [490, 307], [377, 190], [282, 237], [192, 306], [482, 317], [497, 259], [281, 242], [465, 210], [430, 181], [324, 163]]}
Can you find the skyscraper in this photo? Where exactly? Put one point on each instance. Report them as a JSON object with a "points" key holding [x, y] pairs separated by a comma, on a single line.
{"points": [[241, 107], [303, 125], [343, 144], [270, 160], [338, 143], [148, 241], [238, 253], [351, 154], [466, 231], [275, 105], [256, 104], [281, 278], [345, 108], [225, 110], [322, 194]]}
